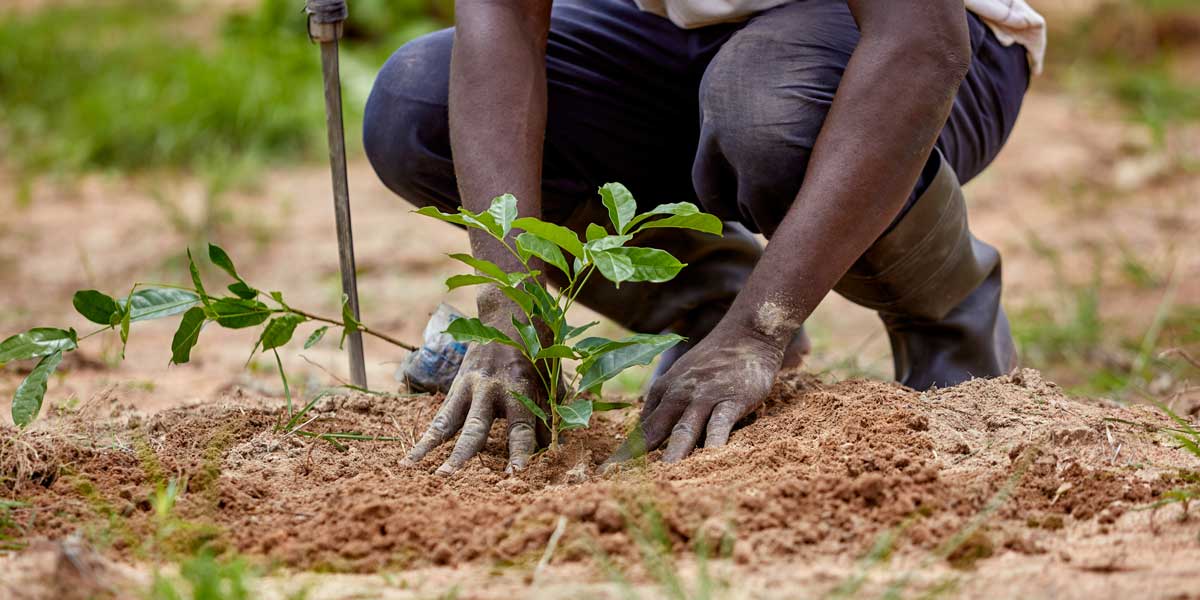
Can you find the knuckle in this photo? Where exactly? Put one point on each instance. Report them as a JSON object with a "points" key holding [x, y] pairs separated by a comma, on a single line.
{"points": [[682, 429], [475, 424]]}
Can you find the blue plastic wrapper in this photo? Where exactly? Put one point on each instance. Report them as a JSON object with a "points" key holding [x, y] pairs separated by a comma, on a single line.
{"points": [[433, 367]]}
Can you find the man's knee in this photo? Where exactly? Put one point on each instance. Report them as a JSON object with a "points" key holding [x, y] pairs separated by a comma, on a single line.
{"points": [[405, 123], [763, 100]]}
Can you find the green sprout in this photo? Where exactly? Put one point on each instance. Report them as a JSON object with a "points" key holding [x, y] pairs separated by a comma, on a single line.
{"points": [[543, 335]]}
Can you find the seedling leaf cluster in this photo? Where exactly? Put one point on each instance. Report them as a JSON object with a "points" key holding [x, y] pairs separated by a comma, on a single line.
{"points": [[542, 333]]}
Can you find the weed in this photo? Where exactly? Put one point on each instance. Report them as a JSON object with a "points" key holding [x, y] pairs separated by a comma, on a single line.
{"points": [[11, 531], [645, 525], [1189, 441]]}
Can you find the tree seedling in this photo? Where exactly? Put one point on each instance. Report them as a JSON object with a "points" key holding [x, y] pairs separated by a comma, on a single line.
{"points": [[247, 307], [543, 335]]}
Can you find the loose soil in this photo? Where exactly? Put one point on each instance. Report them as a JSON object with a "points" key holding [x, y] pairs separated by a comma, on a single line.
{"points": [[825, 471]]}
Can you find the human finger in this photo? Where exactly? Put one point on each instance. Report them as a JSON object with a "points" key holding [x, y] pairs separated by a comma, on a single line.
{"points": [[686, 432], [522, 436], [473, 437], [724, 417], [446, 422]]}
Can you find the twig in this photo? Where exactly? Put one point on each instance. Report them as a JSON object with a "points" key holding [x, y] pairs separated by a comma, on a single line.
{"points": [[559, 528], [1180, 352], [326, 371], [361, 327]]}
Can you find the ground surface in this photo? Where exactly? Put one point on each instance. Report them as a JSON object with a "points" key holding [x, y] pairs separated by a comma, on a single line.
{"points": [[1040, 488]]}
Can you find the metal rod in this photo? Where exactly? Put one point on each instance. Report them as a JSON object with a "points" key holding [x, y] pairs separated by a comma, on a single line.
{"points": [[341, 200]]}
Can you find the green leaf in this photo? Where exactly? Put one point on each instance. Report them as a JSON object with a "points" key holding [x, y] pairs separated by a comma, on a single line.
{"points": [[430, 211], [158, 303], [315, 337], [620, 204], [349, 321], [556, 351], [240, 288], [27, 402], [219, 257], [678, 209], [456, 281], [473, 330], [700, 222], [598, 406], [545, 305], [561, 236], [575, 415], [607, 242], [529, 336], [239, 313], [36, 343], [531, 405], [279, 331], [614, 267], [95, 306], [127, 318], [601, 368], [199, 285], [532, 243], [521, 298], [595, 232], [649, 264], [483, 220], [187, 335], [504, 210], [483, 266], [572, 332], [595, 346]]}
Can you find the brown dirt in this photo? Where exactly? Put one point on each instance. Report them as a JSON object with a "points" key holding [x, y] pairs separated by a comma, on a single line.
{"points": [[824, 472]]}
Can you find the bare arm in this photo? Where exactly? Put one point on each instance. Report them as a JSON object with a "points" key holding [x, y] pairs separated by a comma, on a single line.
{"points": [[498, 108], [497, 129], [892, 102]]}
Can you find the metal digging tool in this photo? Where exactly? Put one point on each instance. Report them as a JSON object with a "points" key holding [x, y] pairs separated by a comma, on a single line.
{"points": [[325, 18]]}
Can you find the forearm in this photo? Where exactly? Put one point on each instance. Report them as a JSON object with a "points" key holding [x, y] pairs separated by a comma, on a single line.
{"points": [[498, 109], [893, 101]]}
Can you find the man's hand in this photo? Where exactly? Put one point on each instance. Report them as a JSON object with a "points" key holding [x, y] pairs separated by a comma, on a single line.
{"points": [[717, 383], [481, 393]]}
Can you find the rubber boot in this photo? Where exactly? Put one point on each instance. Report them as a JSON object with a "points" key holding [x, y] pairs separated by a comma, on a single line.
{"points": [[937, 289]]}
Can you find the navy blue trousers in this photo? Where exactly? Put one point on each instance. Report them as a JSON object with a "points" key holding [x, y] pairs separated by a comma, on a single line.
{"points": [[725, 116]]}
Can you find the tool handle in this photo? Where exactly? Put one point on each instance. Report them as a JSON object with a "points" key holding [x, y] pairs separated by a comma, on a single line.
{"points": [[325, 19]]}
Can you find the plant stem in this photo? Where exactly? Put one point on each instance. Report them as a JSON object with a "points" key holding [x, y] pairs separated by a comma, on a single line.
{"points": [[287, 391], [361, 327]]}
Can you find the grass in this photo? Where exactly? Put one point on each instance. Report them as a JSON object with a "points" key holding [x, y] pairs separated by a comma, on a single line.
{"points": [[132, 85], [1127, 50], [11, 530]]}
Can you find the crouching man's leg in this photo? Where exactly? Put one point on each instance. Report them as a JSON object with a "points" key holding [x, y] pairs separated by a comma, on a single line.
{"points": [[937, 288]]}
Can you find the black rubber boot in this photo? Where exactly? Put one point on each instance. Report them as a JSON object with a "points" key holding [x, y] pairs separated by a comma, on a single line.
{"points": [[937, 289]]}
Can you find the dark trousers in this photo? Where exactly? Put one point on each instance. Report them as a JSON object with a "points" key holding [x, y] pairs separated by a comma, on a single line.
{"points": [[725, 116]]}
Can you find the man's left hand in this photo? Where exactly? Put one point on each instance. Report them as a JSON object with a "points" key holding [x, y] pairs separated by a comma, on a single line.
{"points": [[717, 383]]}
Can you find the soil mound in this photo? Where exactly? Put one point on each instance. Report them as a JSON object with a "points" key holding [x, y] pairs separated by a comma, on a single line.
{"points": [[824, 469]]}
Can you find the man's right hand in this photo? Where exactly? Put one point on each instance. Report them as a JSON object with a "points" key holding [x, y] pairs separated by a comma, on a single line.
{"points": [[481, 393]]}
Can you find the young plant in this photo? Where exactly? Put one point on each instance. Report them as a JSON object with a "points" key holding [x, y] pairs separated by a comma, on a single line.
{"points": [[247, 307], [604, 251]]}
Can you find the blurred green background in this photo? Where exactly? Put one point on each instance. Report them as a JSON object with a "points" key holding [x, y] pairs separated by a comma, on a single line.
{"points": [[145, 84]]}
